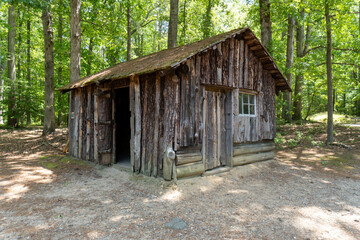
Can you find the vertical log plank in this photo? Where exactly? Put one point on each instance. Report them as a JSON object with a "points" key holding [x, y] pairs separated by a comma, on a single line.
{"points": [[231, 62], [241, 63]]}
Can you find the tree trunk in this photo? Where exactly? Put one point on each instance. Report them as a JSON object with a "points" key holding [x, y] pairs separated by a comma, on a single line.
{"points": [[265, 24], [207, 20], [20, 118], [28, 73], [173, 23], [286, 111], [75, 30], [60, 68], [300, 37], [75, 49], [1, 88], [49, 115], [11, 118], [184, 24], [90, 58], [128, 45], [330, 127]]}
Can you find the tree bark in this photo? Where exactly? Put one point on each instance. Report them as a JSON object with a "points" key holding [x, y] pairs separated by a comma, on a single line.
{"points": [[75, 31], [128, 45], [28, 73], [184, 24], [330, 126], [173, 23], [207, 21], [11, 118], [286, 111], [265, 23], [300, 37], [1, 88], [20, 118], [49, 114], [60, 68]]}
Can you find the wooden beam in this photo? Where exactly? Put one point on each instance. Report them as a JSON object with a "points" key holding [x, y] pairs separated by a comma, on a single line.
{"points": [[256, 47], [253, 148], [189, 170], [250, 158]]}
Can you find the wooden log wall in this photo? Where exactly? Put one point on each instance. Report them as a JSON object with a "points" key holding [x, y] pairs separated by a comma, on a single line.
{"points": [[249, 153], [255, 80], [155, 116]]}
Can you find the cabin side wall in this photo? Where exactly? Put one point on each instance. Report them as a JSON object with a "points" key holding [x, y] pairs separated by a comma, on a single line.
{"points": [[231, 67]]}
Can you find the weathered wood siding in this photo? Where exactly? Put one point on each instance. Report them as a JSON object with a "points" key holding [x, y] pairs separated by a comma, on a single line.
{"points": [[256, 80], [184, 109]]}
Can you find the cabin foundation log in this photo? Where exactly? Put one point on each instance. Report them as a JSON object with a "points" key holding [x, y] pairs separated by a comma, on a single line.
{"points": [[190, 170]]}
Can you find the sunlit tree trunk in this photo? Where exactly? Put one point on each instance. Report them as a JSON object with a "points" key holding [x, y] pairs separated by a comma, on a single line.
{"points": [[286, 111], [1, 89], [11, 118], [207, 20], [330, 127], [173, 23], [75, 31], [300, 38], [265, 24], [60, 68], [128, 48], [28, 73], [49, 115]]}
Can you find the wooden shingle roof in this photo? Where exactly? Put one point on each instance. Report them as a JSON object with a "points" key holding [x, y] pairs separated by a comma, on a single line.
{"points": [[172, 58]]}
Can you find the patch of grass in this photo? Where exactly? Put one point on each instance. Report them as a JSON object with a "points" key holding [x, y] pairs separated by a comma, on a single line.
{"points": [[338, 118], [61, 161], [335, 161]]}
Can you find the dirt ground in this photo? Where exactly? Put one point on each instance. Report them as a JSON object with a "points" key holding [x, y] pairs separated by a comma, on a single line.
{"points": [[310, 191]]}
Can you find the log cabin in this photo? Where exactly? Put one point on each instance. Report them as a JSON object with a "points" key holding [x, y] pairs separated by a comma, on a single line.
{"points": [[187, 111]]}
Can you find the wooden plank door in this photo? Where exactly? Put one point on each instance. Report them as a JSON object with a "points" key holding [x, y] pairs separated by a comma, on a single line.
{"points": [[105, 126], [215, 137]]}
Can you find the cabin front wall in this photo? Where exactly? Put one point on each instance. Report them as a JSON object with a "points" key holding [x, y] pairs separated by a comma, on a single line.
{"points": [[193, 110]]}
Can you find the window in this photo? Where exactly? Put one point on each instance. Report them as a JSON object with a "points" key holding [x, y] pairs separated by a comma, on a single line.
{"points": [[247, 104]]}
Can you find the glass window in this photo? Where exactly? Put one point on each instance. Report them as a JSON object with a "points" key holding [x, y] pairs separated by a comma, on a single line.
{"points": [[247, 104]]}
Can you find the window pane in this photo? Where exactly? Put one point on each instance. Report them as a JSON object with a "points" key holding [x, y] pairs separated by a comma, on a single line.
{"points": [[252, 109], [246, 109], [252, 99], [246, 98]]}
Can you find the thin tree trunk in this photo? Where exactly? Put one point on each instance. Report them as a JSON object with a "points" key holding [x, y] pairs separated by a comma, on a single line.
{"points": [[11, 118], [75, 30], [28, 73], [330, 126], [1, 88], [207, 21], [286, 111], [20, 119], [173, 23], [60, 68], [184, 24], [128, 45], [90, 58], [300, 37], [49, 115], [160, 33], [265, 23]]}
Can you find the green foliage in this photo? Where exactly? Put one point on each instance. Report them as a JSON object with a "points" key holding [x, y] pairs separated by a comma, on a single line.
{"points": [[104, 38]]}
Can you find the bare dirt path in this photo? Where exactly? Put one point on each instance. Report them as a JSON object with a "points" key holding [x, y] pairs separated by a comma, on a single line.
{"points": [[300, 195]]}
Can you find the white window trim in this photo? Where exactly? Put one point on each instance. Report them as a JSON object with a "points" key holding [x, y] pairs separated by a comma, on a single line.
{"points": [[247, 115]]}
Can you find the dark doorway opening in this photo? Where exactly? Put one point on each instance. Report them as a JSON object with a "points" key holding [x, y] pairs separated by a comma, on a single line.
{"points": [[122, 121]]}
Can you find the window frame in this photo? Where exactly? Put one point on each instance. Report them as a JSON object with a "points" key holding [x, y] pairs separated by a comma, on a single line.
{"points": [[248, 104]]}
